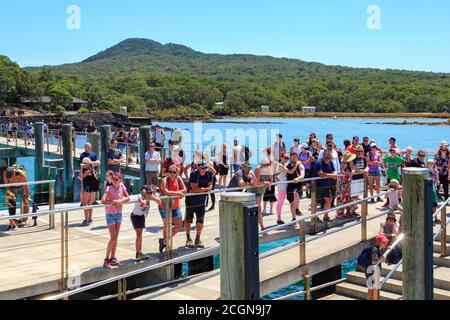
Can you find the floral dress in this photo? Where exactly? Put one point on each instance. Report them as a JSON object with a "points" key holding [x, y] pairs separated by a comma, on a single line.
{"points": [[343, 194]]}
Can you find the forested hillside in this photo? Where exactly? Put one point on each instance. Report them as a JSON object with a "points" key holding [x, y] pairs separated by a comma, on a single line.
{"points": [[174, 80]]}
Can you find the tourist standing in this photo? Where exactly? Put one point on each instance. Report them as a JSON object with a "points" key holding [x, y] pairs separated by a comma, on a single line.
{"points": [[393, 146], [408, 156], [90, 181], [343, 192], [296, 172], [419, 162], [236, 158], [355, 143], [393, 163], [296, 148], [172, 185], [326, 187], [200, 181], [264, 179], [279, 147], [152, 163], [334, 156], [17, 174], [115, 157], [139, 214], [223, 166], [91, 128], [269, 194], [361, 167], [159, 137], [115, 196], [366, 146], [9, 130], [174, 159], [374, 161], [442, 163]]}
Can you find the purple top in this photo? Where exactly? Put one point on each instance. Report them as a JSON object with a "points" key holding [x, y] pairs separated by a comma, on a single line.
{"points": [[303, 157], [374, 157]]}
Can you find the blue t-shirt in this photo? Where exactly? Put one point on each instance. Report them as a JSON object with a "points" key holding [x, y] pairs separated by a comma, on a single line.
{"points": [[325, 168], [111, 155], [90, 155]]}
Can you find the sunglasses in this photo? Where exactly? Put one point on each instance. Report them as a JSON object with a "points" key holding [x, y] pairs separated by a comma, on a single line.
{"points": [[172, 172], [327, 158], [421, 155]]}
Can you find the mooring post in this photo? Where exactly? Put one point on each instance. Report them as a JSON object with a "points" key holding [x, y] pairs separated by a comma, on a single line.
{"points": [[417, 278], [39, 159], [239, 255], [144, 138], [68, 161], [105, 144]]}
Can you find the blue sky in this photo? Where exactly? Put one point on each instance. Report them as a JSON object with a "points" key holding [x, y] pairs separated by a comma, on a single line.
{"points": [[414, 34]]}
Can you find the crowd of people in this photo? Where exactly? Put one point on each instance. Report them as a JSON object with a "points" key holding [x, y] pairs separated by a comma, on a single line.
{"points": [[283, 173]]}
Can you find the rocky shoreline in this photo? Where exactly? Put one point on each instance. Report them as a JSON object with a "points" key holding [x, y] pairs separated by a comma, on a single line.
{"points": [[81, 120], [414, 123]]}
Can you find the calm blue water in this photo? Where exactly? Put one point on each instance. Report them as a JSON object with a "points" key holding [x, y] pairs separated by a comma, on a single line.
{"points": [[426, 137]]}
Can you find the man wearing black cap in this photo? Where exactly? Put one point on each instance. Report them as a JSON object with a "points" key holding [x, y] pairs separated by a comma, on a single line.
{"points": [[200, 181]]}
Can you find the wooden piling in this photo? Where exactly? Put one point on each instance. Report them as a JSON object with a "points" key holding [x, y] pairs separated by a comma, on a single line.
{"points": [[417, 278], [144, 137], [68, 161], [39, 160], [105, 144], [239, 258]]}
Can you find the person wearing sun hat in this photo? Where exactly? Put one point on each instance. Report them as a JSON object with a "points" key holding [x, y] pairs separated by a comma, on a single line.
{"points": [[344, 183]]}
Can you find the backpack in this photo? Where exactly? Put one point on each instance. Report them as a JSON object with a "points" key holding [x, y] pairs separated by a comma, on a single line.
{"points": [[365, 257]]}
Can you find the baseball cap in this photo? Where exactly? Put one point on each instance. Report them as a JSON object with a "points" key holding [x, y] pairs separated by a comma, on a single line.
{"points": [[381, 239]]}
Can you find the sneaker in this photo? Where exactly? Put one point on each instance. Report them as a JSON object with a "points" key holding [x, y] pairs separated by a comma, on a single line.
{"points": [[107, 264], [373, 200], [189, 243], [280, 222], [85, 223], [114, 262], [299, 213], [199, 243], [35, 223], [264, 212], [162, 245], [140, 257]]}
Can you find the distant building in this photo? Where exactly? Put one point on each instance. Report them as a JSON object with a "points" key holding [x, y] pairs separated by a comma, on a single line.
{"points": [[265, 108], [123, 110], [220, 103], [308, 109], [45, 100]]}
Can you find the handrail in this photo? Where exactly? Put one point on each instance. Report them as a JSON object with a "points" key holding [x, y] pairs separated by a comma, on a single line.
{"points": [[18, 184], [187, 257]]}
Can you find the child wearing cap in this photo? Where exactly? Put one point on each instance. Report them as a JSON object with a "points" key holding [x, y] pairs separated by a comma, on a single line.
{"points": [[138, 215], [376, 257]]}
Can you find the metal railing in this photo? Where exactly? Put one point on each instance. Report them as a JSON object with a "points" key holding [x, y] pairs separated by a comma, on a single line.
{"points": [[122, 278]]}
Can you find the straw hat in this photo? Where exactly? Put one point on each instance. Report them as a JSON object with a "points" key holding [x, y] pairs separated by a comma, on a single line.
{"points": [[348, 157], [86, 160], [265, 161], [444, 144], [359, 148], [394, 183]]}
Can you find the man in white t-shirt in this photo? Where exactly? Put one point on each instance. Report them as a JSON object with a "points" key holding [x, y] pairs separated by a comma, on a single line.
{"points": [[152, 162], [236, 158]]}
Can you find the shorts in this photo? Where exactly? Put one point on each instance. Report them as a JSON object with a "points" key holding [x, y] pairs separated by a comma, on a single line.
{"points": [[269, 195], [90, 186], [176, 213], [159, 146], [222, 170], [199, 212], [151, 177], [291, 188], [375, 173], [113, 218], [327, 192], [236, 167], [138, 222]]}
